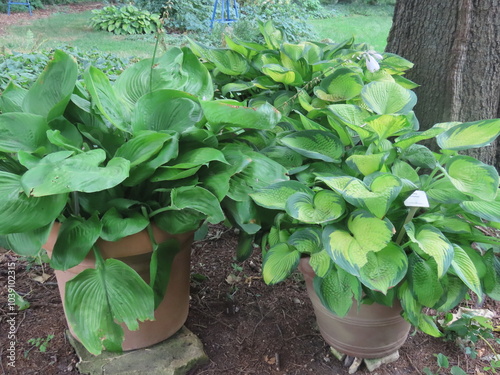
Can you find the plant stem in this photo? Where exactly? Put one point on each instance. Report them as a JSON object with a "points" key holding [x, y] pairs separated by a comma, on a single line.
{"points": [[76, 203], [409, 217]]}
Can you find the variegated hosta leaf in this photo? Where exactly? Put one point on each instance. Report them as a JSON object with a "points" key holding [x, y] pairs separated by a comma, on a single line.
{"points": [[307, 240], [384, 189], [367, 164], [469, 135], [432, 242], [322, 207], [488, 210], [315, 144], [388, 125], [349, 249], [409, 139], [466, 270], [454, 293], [275, 196], [279, 262], [227, 61], [337, 290], [473, 177], [343, 84], [388, 98], [492, 276], [320, 263], [98, 299], [385, 268], [423, 280], [443, 191], [281, 74]]}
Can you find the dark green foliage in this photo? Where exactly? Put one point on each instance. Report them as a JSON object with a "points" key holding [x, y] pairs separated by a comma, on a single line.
{"points": [[125, 20], [24, 68]]}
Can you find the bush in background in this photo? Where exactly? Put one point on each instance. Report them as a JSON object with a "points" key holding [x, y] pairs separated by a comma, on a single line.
{"points": [[125, 20]]}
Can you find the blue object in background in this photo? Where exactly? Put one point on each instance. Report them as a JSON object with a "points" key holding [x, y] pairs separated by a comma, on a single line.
{"points": [[26, 2], [226, 8]]}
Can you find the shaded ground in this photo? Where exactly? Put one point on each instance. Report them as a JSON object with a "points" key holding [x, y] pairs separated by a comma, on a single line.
{"points": [[245, 326]]}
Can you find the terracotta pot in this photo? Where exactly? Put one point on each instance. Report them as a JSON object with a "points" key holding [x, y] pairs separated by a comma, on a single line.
{"points": [[135, 251], [370, 331]]}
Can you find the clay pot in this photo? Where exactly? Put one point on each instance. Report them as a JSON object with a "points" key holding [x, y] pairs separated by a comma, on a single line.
{"points": [[135, 251], [370, 331]]}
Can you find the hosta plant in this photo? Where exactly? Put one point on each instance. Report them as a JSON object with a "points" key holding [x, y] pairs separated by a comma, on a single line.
{"points": [[125, 20], [110, 160], [381, 216]]}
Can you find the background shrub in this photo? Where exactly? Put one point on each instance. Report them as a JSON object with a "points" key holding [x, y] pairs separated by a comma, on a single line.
{"points": [[125, 20]]}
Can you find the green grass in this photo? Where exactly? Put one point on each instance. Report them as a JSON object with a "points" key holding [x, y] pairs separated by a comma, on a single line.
{"points": [[73, 29]]}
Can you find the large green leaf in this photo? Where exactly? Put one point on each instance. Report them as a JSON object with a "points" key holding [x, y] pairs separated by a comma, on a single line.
{"points": [[454, 293], [12, 98], [97, 299], [233, 113], [21, 213], [243, 214], [423, 280], [337, 290], [199, 156], [488, 210], [198, 199], [142, 147], [386, 98], [385, 268], [177, 221], [227, 61], [166, 110], [466, 270], [367, 164], [320, 263], [76, 173], [160, 267], [74, 240], [306, 240], [492, 276], [470, 176], [318, 208], [409, 139], [275, 196], [469, 135], [343, 84], [279, 262], [23, 131], [50, 94], [281, 74], [419, 156], [388, 125], [384, 190], [315, 144], [349, 249], [432, 242], [116, 226], [29, 243], [106, 99]]}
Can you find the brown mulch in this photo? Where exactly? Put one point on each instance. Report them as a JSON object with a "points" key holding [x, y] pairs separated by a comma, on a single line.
{"points": [[24, 18], [246, 326]]}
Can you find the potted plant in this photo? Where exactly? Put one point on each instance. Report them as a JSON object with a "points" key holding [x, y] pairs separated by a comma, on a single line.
{"points": [[371, 216], [87, 167]]}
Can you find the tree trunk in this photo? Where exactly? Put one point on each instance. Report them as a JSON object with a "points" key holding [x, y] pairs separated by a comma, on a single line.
{"points": [[455, 45]]}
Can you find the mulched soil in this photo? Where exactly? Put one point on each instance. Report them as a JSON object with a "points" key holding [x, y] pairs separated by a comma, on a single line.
{"points": [[246, 326]]}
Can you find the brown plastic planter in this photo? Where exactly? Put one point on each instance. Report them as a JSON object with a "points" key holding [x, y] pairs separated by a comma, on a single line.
{"points": [[372, 331], [135, 251]]}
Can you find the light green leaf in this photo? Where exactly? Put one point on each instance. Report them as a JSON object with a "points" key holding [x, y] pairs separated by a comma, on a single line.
{"points": [[320, 263], [172, 174], [116, 226], [315, 144], [76, 173], [342, 85], [306, 240], [488, 210], [74, 240], [142, 147], [385, 268], [279, 262], [227, 61], [409, 139], [419, 156], [23, 131], [388, 98], [21, 213], [321, 207], [470, 176], [98, 299], [469, 135], [166, 110], [281, 74], [432, 242], [12, 98], [465, 269], [276, 195], [50, 94], [367, 164], [349, 249], [197, 157], [337, 290], [388, 125]]}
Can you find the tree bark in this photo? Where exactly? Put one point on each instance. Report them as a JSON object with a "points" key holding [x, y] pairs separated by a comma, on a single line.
{"points": [[455, 45]]}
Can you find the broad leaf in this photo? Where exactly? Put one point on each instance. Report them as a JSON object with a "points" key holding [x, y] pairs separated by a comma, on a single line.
{"points": [[161, 266], [23, 131], [492, 276], [315, 144], [116, 226], [281, 74], [423, 280], [488, 210], [200, 200], [74, 240], [367, 164], [197, 157], [342, 85], [470, 176], [12, 98], [21, 213], [388, 98], [465, 269], [306, 241], [388, 125], [97, 299], [279, 262], [142, 147], [29, 243], [76, 173], [469, 135], [321, 207], [227, 61], [275, 196], [320, 263]]}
